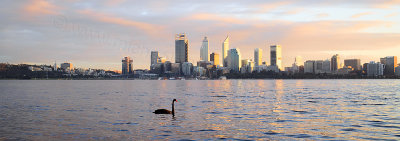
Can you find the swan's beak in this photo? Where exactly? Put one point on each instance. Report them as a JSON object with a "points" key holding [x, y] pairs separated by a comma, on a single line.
{"points": [[176, 100]]}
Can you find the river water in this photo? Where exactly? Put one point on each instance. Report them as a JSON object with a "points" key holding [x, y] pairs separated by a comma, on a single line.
{"points": [[206, 110]]}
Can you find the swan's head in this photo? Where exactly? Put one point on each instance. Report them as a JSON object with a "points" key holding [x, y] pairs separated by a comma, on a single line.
{"points": [[174, 100]]}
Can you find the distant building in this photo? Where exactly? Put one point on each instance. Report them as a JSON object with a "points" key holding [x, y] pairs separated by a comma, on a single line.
{"points": [[247, 66], [199, 71], [161, 60], [203, 63], [234, 60], [335, 63], [55, 66], [276, 56], [390, 63], [397, 71], [127, 66], [344, 70], [204, 50], [257, 56], [187, 68], [365, 68], [215, 58], [326, 66], [225, 48], [316, 67], [353, 63], [154, 57], [67, 66], [309, 66], [181, 48], [167, 67], [375, 69], [176, 68]]}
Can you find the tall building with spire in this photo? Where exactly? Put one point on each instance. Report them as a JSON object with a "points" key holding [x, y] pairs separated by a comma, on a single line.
{"points": [[204, 50], [225, 48], [276, 56], [258, 57], [181, 48]]}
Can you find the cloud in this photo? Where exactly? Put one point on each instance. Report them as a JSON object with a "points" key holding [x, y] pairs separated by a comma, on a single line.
{"points": [[391, 15], [39, 7], [361, 14], [266, 7], [322, 15], [114, 2], [213, 17], [385, 4], [148, 28]]}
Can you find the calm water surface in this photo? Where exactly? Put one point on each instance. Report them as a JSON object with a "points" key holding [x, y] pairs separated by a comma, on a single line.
{"points": [[227, 109]]}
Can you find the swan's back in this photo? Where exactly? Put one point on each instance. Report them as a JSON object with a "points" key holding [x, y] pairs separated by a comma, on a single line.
{"points": [[162, 111]]}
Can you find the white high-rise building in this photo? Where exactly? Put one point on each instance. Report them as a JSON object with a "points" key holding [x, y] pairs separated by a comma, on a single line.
{"points": [[204, 50], [276, 56], [225, 48], [234, 60], [258, 57]]}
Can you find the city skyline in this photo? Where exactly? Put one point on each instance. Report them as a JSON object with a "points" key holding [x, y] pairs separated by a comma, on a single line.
{"points": [[98, 35]]}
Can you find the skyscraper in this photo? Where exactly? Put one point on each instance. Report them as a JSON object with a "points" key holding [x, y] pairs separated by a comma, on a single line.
{"points": [[225, 48], [215, 58], [127, 66], [181, 48], [204, 50], [257, 57], [390, 63], [335, 63], [154, 57], [234, 60], [353, 63], [276, 56]]}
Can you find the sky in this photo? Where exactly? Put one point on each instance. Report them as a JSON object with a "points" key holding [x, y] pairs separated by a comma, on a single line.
{"points": [[99, 33]]}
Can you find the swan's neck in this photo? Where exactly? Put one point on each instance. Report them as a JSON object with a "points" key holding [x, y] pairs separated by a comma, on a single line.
{"points": [[173, 108]]}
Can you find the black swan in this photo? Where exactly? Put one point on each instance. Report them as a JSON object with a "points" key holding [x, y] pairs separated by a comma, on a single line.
{"points": [[165, 111]]}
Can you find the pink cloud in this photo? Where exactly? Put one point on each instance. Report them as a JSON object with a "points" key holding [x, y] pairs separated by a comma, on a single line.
{"points": [[214, 17], [39, 7], [387, 4], [151, 29]]}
